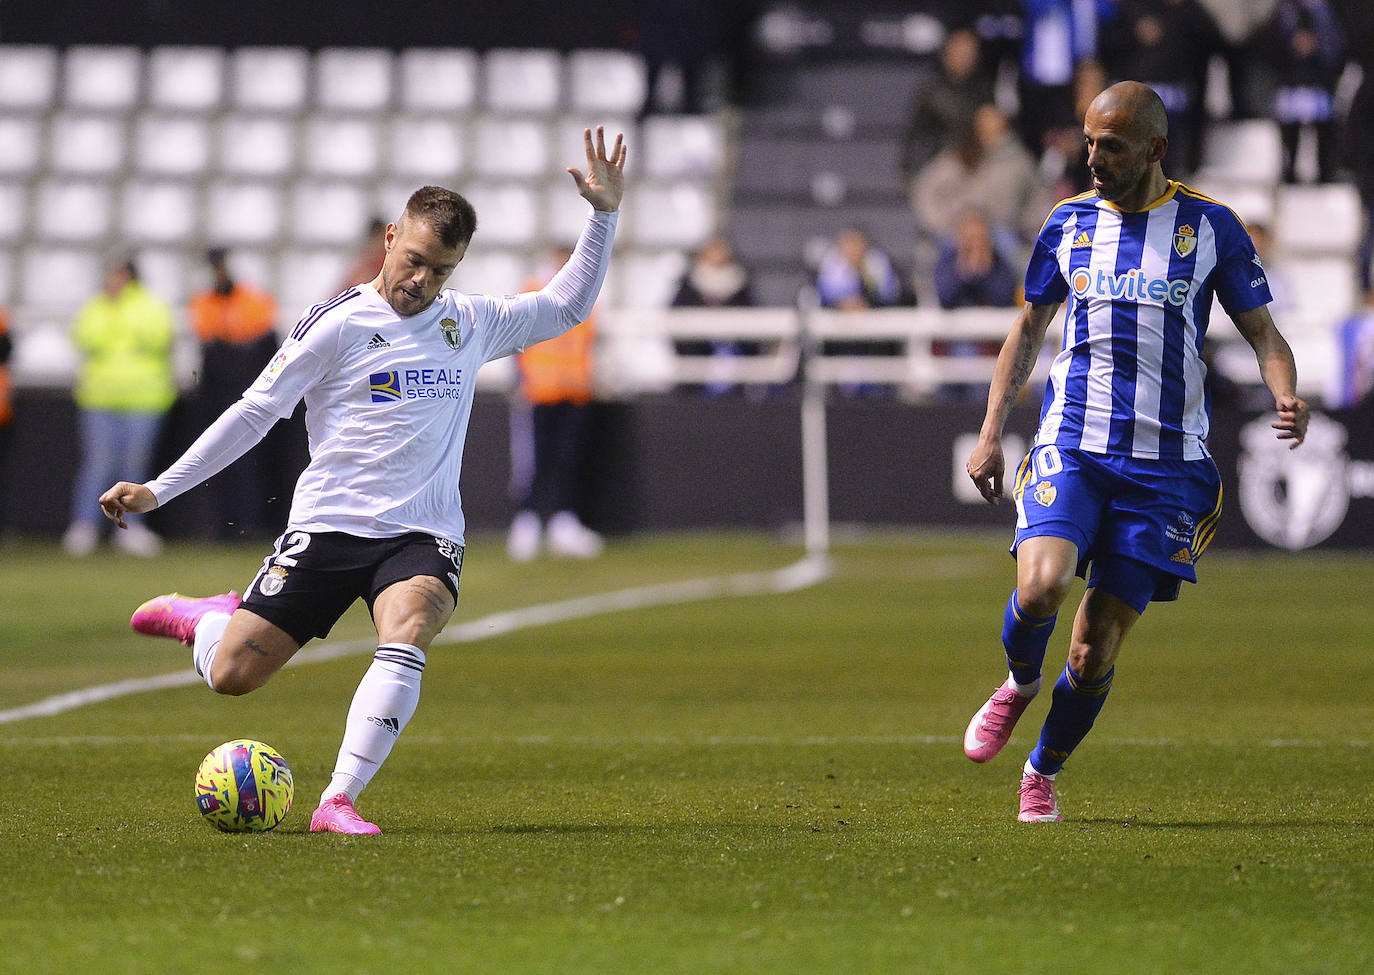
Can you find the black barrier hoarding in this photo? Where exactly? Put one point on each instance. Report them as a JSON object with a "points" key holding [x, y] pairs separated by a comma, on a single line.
{"points": [[678, 462]]}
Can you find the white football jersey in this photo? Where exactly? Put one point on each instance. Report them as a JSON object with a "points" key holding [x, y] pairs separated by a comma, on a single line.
{"points": [[388, 398]]}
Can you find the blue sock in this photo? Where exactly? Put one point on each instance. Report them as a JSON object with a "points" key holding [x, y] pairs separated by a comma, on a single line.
{"points": [[1073, 709], [1025, 638]]}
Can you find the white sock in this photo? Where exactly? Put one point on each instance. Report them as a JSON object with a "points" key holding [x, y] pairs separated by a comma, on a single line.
{"points": [[382, 707], [1029, 769], [208, 633], [1025, 690]]}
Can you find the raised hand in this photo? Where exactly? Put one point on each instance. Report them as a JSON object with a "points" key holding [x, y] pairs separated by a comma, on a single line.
{"points": [[604, 183]]}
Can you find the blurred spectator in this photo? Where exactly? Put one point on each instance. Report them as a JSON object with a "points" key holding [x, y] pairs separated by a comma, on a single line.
{"points": [[1355, 345], [234, 322], [6, 413], [853, 274], [990, 170], [971, 271], [1167, 44], [368, 260], [1306, 47], [1359, 147], [1059, 37], [125, 388], [715, 279], [943, 109], [548, 438]]}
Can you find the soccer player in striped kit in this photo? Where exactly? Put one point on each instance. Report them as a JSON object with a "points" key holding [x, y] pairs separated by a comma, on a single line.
{"points": [[386, 371], [1119, 486]]}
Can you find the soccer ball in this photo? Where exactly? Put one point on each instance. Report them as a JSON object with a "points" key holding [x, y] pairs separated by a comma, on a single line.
{"points": [[243, 786]]}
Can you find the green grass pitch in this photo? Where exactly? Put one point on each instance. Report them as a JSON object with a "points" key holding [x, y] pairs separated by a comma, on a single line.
{"points": [[769, 783]]}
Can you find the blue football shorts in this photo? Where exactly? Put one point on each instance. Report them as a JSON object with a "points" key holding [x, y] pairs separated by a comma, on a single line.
{"points": [[1140, 525], [311, 578]]}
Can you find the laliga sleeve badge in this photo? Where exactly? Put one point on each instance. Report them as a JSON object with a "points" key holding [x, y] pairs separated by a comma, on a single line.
{"points": [[271, 583]]}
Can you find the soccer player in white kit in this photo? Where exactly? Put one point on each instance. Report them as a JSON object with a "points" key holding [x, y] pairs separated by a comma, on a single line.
{"points": [[386, 370], [1119, 485]]}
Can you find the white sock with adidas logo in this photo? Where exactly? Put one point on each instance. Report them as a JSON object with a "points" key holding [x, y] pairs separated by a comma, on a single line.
{"points": [[382, 706]]}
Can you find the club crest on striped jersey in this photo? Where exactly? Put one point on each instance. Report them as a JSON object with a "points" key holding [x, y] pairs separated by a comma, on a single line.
{"points": [[452, 334], [1185, 240]]}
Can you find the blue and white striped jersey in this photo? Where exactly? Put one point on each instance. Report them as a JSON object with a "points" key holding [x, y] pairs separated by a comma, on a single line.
{"points": [[1129, 377]]}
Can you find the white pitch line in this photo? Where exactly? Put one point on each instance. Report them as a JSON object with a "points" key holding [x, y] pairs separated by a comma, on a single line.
{"points": [[799, 575]]}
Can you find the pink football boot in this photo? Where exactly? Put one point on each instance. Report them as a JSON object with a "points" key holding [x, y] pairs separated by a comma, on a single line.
{"points": [[991, 727], [176, 616], [337, 815], [1038, 804]]}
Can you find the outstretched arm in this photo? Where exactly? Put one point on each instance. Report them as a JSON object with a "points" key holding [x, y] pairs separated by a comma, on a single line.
{"points": [[1277, 369], [986, 465]]}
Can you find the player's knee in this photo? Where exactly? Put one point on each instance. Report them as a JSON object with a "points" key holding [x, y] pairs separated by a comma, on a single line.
{"points": [[1043, 589], [234, 680]]}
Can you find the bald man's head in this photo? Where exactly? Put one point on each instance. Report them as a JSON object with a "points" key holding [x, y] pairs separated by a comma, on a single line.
{"points": [[1139, 103]]}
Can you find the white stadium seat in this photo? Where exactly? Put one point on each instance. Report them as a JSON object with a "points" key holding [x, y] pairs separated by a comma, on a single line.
{"points": [[68, 211], [1252, 202], [606, 81], [14, 210], [1242, 151], [507, 214], [306, 277], [338, 146], [491, 272], [516, 148], [51, 277], [425, 148], [647, 279], [1325, 289], [353, 79], [243, 213], [682, 145], [106, 78], [166, 272], [527, 81], [28, 77], [326, 213], [256, 145], [21, 144], [1323, 218], [171, 145], [87, 144], [439, 79], [6, 278], [272, 79], [186, 78], [671, 214], [565, 211], [159, 212]]}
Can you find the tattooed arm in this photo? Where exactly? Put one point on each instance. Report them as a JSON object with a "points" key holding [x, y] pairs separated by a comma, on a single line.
{"points": [[986, 465]]}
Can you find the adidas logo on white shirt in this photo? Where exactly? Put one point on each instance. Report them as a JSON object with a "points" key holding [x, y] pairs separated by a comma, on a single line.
{"points": [[378, 342]]}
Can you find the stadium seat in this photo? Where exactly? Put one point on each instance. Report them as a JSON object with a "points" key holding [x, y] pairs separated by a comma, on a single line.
{"points": [[565, 213], [186, 78], [6, 276], [252, 145], [682, 145], [1321, 218], [647, 278], [507, 213], [14, 209], [425, 148], [273, 79], [171, 145], [158, 212], [525, 81], [86, 144], [338, 146], [492, 272], [672, 214], [326, 212], [57, 278], [389, 198], [1326, 291], [21, 143], [438, 79], [1252, 202], [166, 273], [354, 79], [1242, 151], [305, 277], [28, 77], [243, 213], [67, 211], [103, 78], [605, 82], [511, 148]]}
